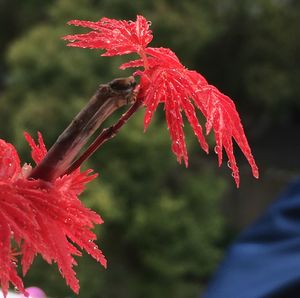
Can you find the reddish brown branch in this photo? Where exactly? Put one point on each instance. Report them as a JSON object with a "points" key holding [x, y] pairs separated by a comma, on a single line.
{"points": [[108, 98], [106, 134]]}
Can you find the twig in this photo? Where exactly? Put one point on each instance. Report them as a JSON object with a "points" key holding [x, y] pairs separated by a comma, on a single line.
{"points": [[106, 134], [108, 98]]}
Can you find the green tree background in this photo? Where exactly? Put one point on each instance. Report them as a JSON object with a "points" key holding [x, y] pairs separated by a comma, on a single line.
{"points": [[166, 227]]}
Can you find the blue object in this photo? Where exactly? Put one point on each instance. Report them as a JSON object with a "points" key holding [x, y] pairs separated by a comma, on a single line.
{"points": [[264, 262]]}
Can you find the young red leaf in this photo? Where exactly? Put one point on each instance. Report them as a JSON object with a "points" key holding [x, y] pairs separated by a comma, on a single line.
{"points": [[165, 80], [223, 117], [171, 87], [42, 218], [116, 37]]}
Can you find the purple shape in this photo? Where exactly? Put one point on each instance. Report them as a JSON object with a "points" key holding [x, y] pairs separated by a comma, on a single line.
{"points": [[35, 293]]}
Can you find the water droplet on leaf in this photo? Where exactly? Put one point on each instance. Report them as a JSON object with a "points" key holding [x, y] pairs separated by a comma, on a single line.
{"points": [[217, 149], [235, 175], [116, 32]]}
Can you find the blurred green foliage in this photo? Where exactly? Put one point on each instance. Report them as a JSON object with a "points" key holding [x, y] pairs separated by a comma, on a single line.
{"points": [[163, 228]]}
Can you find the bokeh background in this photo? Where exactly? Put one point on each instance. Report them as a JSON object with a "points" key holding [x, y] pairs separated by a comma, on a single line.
{"points": [[166, 227]]}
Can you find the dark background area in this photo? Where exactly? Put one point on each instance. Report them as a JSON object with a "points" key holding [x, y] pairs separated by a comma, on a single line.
{"points": [[166, 227]]}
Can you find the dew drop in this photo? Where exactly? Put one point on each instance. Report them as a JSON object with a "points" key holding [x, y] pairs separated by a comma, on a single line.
{"points": [[149, 23], [235, 175], [116, 32], [16, 289], [229, 164], [217, 149]]}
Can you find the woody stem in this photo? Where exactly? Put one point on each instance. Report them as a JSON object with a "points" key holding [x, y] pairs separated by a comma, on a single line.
{"points": [[107, 99], [106, 134]]}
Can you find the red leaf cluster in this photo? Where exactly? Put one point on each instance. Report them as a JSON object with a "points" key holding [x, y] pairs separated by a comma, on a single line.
{"points": [[116, 37], [165, 80], [38, 217]]}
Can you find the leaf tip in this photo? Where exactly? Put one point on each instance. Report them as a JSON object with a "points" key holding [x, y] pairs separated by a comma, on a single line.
{"points": [[236, 178], [255, 173]]}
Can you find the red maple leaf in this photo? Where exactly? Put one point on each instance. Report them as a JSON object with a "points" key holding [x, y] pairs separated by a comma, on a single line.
{"points": [[165, 80], [38, 217], [116, 37]]}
